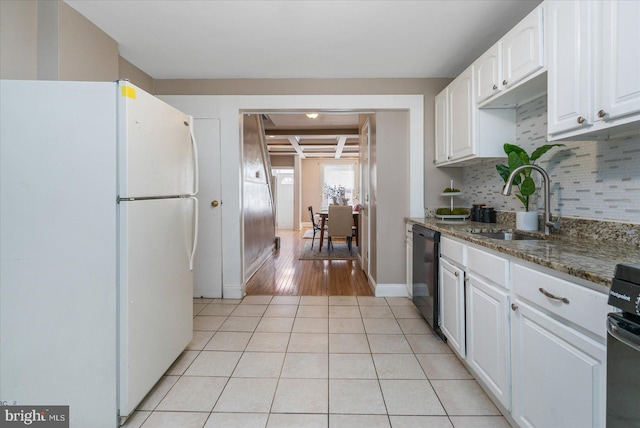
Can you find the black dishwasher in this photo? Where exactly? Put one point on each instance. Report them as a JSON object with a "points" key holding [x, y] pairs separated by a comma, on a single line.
{"points": [[426, 254]]}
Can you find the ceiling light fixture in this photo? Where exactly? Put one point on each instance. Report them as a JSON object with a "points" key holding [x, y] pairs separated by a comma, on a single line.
{"points": [[312, 115]]}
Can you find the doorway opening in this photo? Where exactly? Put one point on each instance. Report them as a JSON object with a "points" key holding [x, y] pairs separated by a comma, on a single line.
{"points": [[283, 197]]}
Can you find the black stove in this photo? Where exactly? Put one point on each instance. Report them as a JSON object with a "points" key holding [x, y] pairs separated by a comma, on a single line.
{"points": [[625, 289], [623, 348]]}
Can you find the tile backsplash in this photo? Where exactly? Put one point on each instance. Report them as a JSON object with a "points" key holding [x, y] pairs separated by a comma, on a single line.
{"points": [[591, 180]]}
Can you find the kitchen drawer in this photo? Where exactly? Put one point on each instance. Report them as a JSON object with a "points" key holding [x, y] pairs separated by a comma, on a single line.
{"points": [[490, 266], [586, 308], [453, 250]]}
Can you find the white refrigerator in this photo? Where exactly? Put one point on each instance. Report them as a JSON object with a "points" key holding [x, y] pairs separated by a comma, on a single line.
{"points": [[98, 223]]}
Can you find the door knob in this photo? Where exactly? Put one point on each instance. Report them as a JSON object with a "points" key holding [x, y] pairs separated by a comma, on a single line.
{"points": [[214, 203]]}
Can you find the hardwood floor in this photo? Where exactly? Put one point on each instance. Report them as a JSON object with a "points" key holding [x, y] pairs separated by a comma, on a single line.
{"points": [[284, 274]]}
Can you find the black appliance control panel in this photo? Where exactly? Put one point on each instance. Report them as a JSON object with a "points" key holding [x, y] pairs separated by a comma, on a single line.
{"points": [[625, 288]]}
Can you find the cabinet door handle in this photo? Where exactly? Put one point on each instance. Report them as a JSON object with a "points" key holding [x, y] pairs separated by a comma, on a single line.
{"points": [[514, 307], [504, 82], [602, 113], [495, 87], [552, 296], [580, 119], [457, 274]]}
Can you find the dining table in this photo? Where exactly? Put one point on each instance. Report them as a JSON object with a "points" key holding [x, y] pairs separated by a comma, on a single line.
{"points": [[324, 215]]}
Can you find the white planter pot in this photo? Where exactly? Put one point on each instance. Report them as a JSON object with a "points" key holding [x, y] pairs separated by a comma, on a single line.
{"points": [[527, 220]]}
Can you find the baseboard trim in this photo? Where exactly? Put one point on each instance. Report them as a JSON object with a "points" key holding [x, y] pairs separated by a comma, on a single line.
{"points": [[257, 263], [232, 292], [391, 290]]}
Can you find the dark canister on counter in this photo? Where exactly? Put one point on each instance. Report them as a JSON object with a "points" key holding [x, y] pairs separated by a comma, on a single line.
{"points": [[488, 214], [476, 212]]}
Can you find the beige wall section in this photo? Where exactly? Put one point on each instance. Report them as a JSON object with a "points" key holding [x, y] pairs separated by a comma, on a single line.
{"points": [[373, 203], [126, 70], [18, 39], [312, 182], [283, 161], [86, 52], [49, 40], [300, 86], [436, 179], [392, 187]]}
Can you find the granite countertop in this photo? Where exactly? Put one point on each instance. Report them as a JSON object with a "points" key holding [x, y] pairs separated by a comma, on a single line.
{"points": [[589, 259]]}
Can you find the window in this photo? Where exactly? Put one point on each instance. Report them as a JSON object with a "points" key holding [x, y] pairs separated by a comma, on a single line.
{"points": [[342, 175]]}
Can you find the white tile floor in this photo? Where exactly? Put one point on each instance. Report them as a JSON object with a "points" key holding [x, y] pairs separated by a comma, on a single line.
{"points": [[339, 361]]}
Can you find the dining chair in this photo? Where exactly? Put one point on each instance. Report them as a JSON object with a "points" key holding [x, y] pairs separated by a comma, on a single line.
{"points": [[316, 227], [341, 224]]}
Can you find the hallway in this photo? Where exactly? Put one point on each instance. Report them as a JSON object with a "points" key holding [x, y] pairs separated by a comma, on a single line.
{"points": [[284, 274]]}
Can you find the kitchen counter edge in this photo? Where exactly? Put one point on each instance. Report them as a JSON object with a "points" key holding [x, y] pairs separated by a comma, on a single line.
{"points": [[588, 260]]}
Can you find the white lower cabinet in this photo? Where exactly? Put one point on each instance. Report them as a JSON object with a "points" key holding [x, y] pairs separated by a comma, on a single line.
{"points": [[558, 373], [488, 355], [535, 339], [452, 306]]}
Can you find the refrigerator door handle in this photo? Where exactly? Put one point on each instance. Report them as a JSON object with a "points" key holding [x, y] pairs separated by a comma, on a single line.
{"points": [[196, 172], [195, 232]]}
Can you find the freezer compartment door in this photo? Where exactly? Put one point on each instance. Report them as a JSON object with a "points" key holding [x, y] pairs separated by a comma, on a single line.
{"points": [[156, 149], [156, 291]]}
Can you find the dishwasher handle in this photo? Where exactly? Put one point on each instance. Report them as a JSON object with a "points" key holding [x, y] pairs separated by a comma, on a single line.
{"points": [[430, 235], [618, 328]]}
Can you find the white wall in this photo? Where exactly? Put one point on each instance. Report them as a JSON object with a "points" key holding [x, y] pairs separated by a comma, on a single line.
{"points": [[228, 109]]}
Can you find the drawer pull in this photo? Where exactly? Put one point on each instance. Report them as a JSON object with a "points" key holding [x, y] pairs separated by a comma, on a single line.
{"points": [[551, 296], [514, 307]]}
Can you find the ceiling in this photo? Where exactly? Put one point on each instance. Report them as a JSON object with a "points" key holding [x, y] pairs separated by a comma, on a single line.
{"points": [[213, 39], [330, 135]]}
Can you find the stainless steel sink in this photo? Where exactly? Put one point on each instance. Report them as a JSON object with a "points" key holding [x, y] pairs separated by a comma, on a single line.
{"points": [[508, 236]]}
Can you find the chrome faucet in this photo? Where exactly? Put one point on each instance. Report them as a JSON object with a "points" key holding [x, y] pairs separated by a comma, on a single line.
{"points": [[506, 190]]}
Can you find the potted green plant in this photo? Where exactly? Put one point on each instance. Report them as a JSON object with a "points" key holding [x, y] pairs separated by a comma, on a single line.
{"points": [[517, 156]]}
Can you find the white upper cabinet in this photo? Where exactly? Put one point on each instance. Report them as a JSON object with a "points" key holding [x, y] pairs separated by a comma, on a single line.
{"points": [[593, 53], [569, 103], [461, 114], [441, 130], [465, 134], [620, 80], [488, 72], [523, 49], [511, 72]]}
